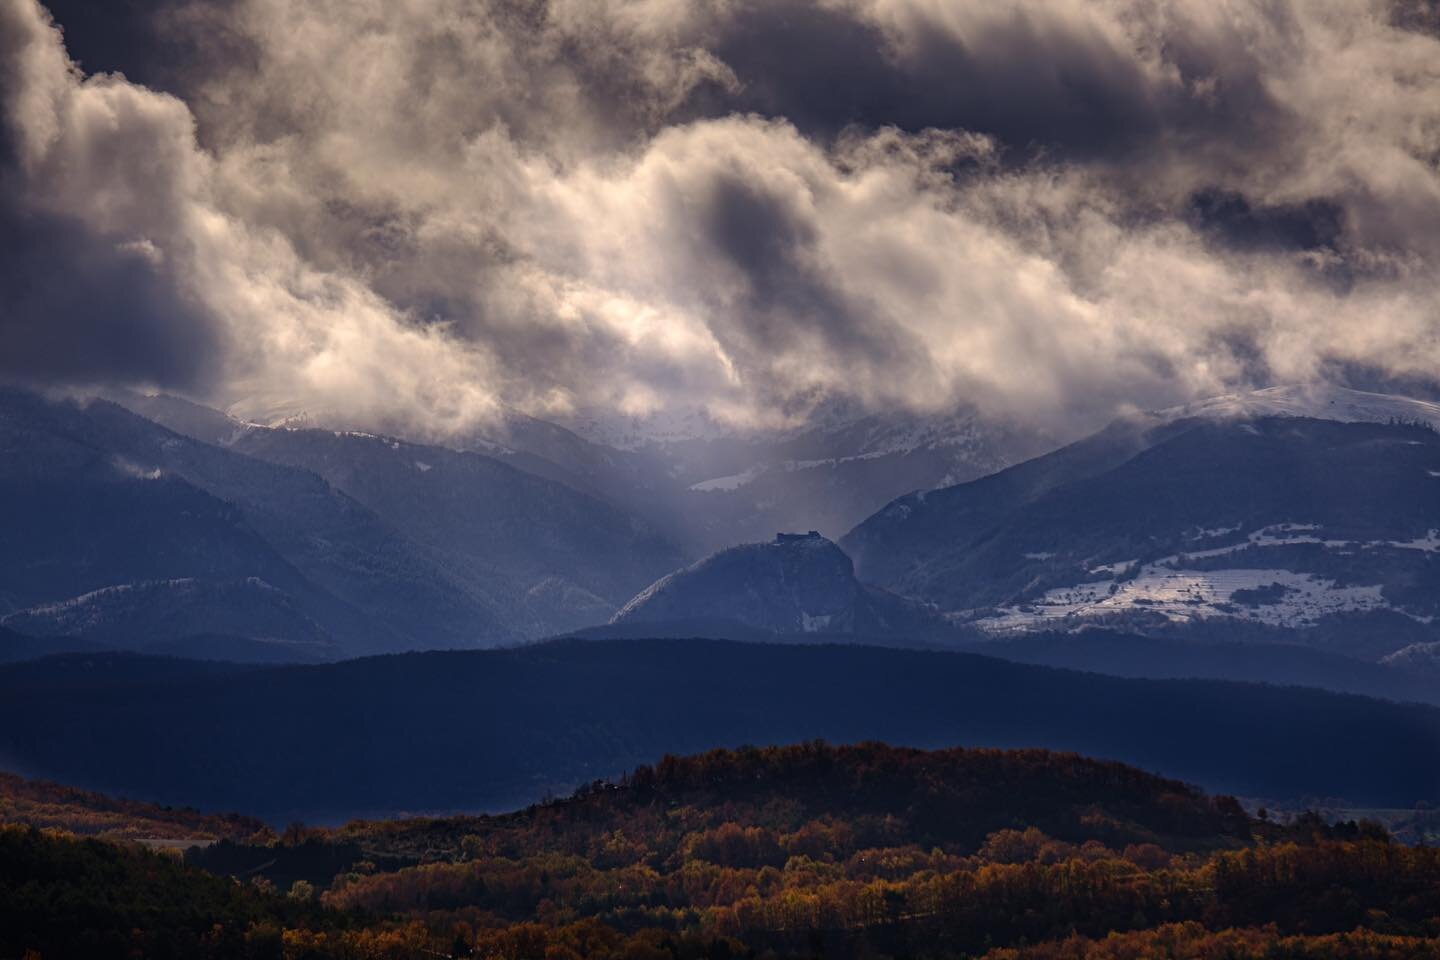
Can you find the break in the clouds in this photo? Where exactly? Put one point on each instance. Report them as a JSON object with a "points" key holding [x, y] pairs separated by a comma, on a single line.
{"points": [[406, 214]]}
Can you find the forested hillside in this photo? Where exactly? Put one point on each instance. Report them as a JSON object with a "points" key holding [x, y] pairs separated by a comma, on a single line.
{"points": [[802, 851], [40, 803]]}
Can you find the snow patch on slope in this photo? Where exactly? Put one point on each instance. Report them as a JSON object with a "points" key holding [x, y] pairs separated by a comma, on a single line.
{"points": [[1419, 659], [1289, 534], [1168, 586], [732, 482], [814, 624]]}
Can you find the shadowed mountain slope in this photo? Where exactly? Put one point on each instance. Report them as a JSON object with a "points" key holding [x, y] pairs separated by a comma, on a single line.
{"points": [[1273, 520]]}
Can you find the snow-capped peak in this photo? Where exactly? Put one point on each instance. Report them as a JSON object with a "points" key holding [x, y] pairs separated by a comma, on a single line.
{"points": [[1317, 401]]}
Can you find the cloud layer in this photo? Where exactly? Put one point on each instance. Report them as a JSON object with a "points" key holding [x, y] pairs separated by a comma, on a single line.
{"points": [[406, 214]]}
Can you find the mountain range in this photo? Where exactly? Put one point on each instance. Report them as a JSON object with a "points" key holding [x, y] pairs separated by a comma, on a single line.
{"points": [[708, 486], [1217, 540], [106, 512], [1234, 593], [1287, 516], [208, 534]]}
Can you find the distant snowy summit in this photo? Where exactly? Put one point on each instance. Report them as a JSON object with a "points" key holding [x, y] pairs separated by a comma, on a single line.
{"points": [[1315, 401]]}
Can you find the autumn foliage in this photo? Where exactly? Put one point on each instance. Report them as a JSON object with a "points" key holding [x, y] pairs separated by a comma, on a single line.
{"points": [[43, 804], [807, 851]]}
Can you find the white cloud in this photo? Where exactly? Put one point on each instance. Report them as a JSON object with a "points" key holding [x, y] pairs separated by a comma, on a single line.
{"points": [[400, 214]]}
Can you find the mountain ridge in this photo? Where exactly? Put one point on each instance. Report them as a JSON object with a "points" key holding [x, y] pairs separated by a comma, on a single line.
{"points": [[1281, 519], [545, 717]]}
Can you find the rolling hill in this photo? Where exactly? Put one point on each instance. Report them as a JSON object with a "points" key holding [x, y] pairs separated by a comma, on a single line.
{"points": [[488, 729]]}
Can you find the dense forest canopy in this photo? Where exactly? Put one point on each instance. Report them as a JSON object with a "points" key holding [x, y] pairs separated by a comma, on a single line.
{"points": [[800, 851]]}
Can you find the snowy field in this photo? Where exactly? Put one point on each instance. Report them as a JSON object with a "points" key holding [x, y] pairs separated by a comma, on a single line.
{"points": [[1167, 587], [1192, 594]]}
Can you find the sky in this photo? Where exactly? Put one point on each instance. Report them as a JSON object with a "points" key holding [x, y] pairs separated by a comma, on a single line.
{"points": [[411, 215]]}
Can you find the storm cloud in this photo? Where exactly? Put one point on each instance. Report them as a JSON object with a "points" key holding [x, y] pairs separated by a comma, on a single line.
{"points": [[407, 215]]}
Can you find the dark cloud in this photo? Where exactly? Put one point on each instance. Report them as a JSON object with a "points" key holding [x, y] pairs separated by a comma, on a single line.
{"points": [[1057, 88], [76, 308], [769, 245], [119, 36], [1235, 221], [162, 44], [791, 302], [1422, 16], [820, 68]]}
